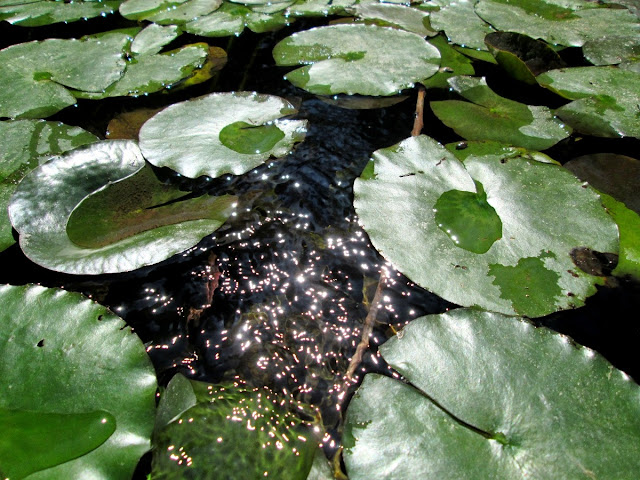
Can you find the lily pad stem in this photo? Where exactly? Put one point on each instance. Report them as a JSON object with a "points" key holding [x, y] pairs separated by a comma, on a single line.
{"points": [[418, 123]]}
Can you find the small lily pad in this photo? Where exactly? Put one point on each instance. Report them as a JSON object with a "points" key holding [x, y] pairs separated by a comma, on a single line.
{"points": [[152, 38], [46, 12], [534, 406], [492, 117], [24, 144], [71, 373], [201, 136], [357, 59], [605, 99], [525, 267], [120, 234]]}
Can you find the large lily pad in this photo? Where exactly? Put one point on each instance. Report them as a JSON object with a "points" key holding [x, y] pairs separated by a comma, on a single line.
{"points": [[534, 406], [24, 144], [605, 102], [357, 59], [405, 201], [233, 429], [119, 230], [39, 72], [29, 13], [562, 22], [70, 374], [492, 117], [221, 133]]}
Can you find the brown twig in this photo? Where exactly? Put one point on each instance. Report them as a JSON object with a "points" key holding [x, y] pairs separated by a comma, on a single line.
{"points": [[367, 328], [418, 122]]}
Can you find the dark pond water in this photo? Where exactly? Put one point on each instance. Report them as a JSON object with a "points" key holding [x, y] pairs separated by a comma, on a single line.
{"points": [[278, 295]]}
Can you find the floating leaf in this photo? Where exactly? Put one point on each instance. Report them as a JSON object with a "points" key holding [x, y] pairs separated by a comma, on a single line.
{"points": [[460, 23], [69, 361], [452, 63], [47, 197], [534, 406], [248, 431], [629, 226], [201, 136], [528, 267], [152, 38], [616, 50], [24, 144], [560, 22], [167, 11], [45, 12], [397, 16], [39, 72], [357, 59], [319, 8], [605, 99], [522, 57], [492, 117]]}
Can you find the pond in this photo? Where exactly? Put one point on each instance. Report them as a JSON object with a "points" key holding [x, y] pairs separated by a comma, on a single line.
{"points": [[277, 296]]}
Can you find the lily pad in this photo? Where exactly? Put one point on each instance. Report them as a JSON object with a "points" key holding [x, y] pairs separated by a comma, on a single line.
{"points": [[560, 22], [492, 117], [605, 99], [167, 12], [460, 23], [232, 19], [357, 59], [452, 63], [528, 267], [629, 226], [122, 229], [535, 406], [71, 373], [237, 429], [39, 72], [621, 51], [221, 133], [397, 16], [45, 12], [152, 38], [24, 144], [319, 8]]}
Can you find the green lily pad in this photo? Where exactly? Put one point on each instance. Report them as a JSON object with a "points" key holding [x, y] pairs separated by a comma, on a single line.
{"points": [[70, 373], [629, 226], [535, 406], [249, 431], [357, 59], [39, 72], [152, 38], [496, 151], [120, 234], [522, 57], [460, 23], [621, 51], [560, 22], [319, 8], [232, 19], [528, 270], [168, 12], [201, 136], [24, 144], [452, 63], [45, 12], [605, 99], [397, 16], [492, 117]]}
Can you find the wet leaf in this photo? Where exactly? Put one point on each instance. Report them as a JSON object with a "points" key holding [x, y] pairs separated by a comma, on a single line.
{"points": [[152, 38], [69, 361], [397, 16], [522, 57], [46, 198], [357, 59], [452, 63], [39, 72], [560, 22], [319, 8], [534, 405], [629, 226], [615, 50], [249, 431], [460, 23], [492, 117], [45, 12], [188, 137], [528, 269], [24, 144], [605, 99], [168, 12]]}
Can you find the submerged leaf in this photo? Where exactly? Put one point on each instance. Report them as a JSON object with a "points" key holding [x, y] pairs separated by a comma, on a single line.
{"points": [[534, 406]]}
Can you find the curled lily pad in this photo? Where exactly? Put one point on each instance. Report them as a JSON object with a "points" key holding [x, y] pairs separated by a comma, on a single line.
{"points": [[24, 144], [492, 117], [78, 388], [605, 99], [508, 256], [45, 12], [561, 22], [117, 232], [39, 72], [221, 133], [357, 59], [535, 406]]}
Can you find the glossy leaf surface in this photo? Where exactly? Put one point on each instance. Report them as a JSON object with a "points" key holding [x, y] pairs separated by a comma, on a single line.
{"points": [[46, 12], [460, 23]]}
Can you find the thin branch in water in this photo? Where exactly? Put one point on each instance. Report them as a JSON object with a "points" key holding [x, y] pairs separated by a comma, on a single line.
{"points": [[418, 122], [368, 327]]}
